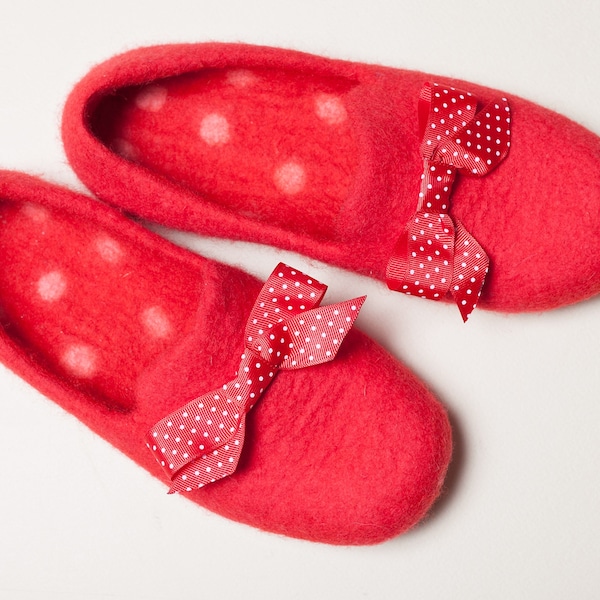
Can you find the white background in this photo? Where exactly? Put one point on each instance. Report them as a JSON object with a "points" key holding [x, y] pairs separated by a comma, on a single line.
{"points": [[520, 516]]}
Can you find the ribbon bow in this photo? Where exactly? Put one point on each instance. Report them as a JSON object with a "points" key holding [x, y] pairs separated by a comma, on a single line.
{"points": [[436, 254], [201, 442]]}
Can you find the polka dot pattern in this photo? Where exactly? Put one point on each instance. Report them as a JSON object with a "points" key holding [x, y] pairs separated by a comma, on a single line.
{"points": [[284, 139], [330, 109], [290, 178], [151, 98], [436, 255], [201, 442], [109, 249], [481, 142], [125, 149], [80, 360], [75, 283], [156, 322], [241, 78], [35, 212], [214, 129], [51, 286]]}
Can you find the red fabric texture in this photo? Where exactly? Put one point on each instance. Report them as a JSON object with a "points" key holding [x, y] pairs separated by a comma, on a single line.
{"points": [[120, 327], [322, 157]]}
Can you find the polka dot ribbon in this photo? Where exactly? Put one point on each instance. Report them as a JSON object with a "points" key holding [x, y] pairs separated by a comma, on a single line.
{"points": [[436, 255], [201, 442]]}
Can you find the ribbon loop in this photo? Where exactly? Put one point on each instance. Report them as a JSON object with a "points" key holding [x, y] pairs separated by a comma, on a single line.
{"points": [[201, 442], [435, 255]]}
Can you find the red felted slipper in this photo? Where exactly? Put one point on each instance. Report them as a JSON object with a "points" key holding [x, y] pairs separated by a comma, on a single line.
{"points": [[326, 157], [123, 329]]}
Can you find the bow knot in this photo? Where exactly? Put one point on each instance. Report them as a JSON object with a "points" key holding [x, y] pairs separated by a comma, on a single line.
{"points": [[436, 255], [201, 442], [270, 347]]}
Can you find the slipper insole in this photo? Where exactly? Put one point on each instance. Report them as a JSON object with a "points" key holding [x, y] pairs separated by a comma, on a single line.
{"points": [[92, 308], [269, 144]]}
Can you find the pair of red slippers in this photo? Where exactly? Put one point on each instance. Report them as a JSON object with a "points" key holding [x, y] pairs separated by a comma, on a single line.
{"points": [[323, 157]]}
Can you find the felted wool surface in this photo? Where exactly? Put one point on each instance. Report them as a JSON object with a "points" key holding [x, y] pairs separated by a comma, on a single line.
{"points": [[120, 328], [322, 157]]}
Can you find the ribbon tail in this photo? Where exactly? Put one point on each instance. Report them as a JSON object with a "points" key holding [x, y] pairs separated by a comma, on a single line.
{"points": [[316, 335], [212, 466], [471, 265], [198, 427]]}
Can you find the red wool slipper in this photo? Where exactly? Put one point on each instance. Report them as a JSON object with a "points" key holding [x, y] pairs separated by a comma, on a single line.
{"points": [[327, 157], [123, 329]]}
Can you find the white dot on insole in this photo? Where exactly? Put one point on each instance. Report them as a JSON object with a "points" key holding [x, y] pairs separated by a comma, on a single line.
{"points": [[35, 212], [51, 286], [151, 98], [330, 109], [124, 148], [156, 322], [214, 129], [241, 78], [110, 250], [80, 360], [290, 178]]}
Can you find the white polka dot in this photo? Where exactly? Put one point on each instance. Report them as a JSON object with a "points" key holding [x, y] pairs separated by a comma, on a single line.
{"points": [[241, 78], [290, 178], [330, 109], [151, 98], [214, 129], [156, 322], [109, 249], [124, 148], [35, 212], [80, 360], [51, 286]]}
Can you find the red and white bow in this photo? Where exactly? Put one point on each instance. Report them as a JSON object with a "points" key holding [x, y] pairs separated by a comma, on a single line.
{"points": [[436, 255], [201, 442]]}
